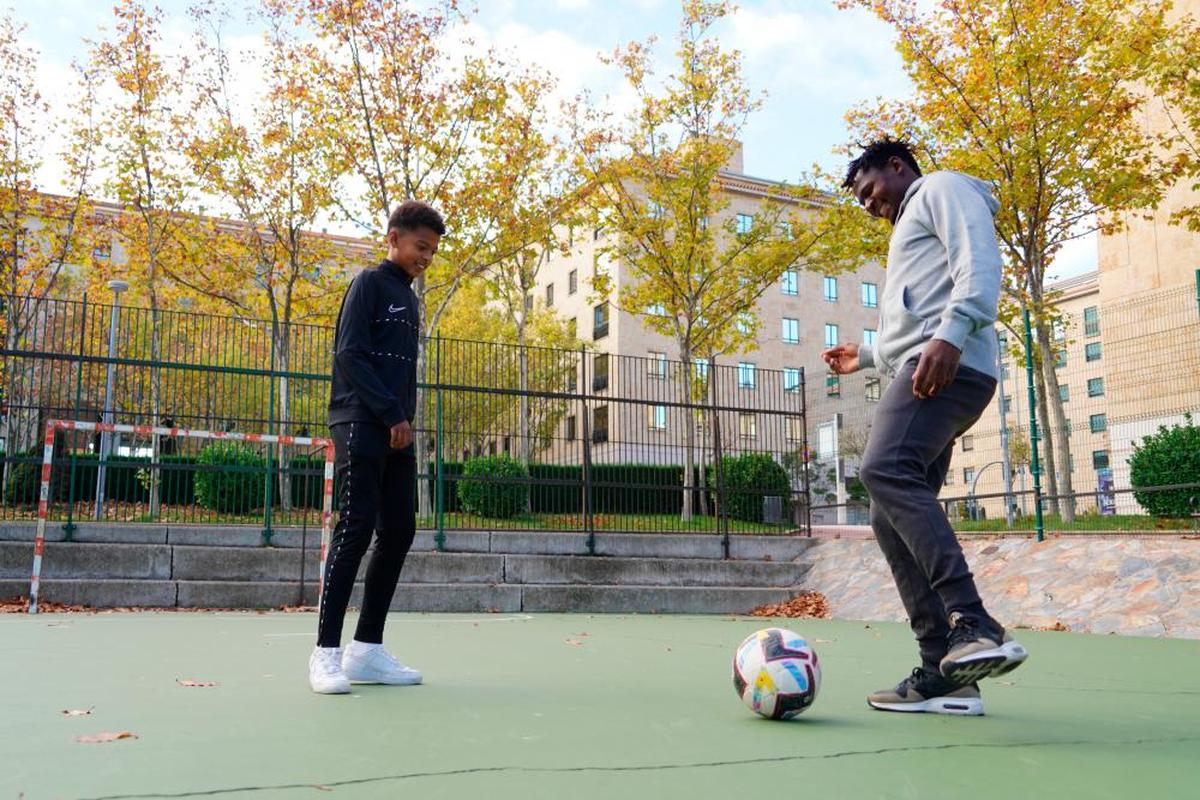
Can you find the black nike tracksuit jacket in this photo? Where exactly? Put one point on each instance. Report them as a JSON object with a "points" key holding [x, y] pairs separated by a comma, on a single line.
{"points": [[375, 350]]}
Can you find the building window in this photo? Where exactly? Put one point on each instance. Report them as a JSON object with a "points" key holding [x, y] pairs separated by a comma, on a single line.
{"points": [[831, 334], [1091, 321], [873, 390], [656, 418], [833, 385], [795, 429], [491, 451], [745, 324], [600, 321], [869, 335], [656, 310], [600, 372], [1004, 370], [1064, 393], [747, 426], [790, 284], [1060, 358], [968, 443], [656, 367], [102, 248], [785, 230], [949, 477], [1098, 423], [507, 444], [1058, 330], [571, 428], [746, 375], [1095, 387], [1099, 459], [831, 289], [870, 295], [656, 209], [745, 222], [572, 281], [573, 326], [550, 295], [791, 331], [968, 475], [600, 424], [791, 379], [1006, 404], [1091, 351]]}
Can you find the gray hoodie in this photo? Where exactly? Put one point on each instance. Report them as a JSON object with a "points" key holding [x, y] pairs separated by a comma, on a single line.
{"points": [[943, 275]]}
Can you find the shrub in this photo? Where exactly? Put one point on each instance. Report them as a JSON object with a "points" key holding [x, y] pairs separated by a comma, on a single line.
{"points": [[748, 479], [1168, 457], [492, 496], [229, 478]]}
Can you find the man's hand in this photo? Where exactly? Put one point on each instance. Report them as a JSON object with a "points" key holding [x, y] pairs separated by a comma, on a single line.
{"points": [[936, 369], [402, 435], [842, 359]]}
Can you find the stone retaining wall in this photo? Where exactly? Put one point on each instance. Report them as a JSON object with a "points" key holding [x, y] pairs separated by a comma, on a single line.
{"points": [[1136, 587]]}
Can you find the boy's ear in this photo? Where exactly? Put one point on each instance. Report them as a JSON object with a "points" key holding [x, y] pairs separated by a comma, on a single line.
{"points": [[391, 237]]}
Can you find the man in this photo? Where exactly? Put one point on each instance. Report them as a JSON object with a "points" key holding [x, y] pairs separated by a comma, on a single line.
{"points": [[372, 403], [936, 340]]}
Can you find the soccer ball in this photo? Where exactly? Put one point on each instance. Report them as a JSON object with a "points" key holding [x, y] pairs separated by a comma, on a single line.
{"points": [[776, 674]]}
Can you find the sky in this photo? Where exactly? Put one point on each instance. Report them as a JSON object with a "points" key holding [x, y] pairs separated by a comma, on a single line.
{"points": [[811, 61]]}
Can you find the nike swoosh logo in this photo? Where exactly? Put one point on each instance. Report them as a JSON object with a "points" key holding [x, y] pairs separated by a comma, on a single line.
{"points": [[393, 310]]}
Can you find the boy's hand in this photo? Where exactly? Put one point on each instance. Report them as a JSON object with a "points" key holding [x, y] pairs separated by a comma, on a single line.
{"points": [[936, 368], [402, 435], [842, 359]]}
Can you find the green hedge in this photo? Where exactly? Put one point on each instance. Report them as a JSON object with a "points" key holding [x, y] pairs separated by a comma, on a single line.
{"points": [[1170, 456], [498, 499], [748, 479]]}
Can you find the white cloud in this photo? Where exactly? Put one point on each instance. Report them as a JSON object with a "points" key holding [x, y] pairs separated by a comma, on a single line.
{"points": [[572, 5]]}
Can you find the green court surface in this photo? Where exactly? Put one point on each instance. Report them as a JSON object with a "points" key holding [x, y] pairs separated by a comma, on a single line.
{"points": [[578, 707]]}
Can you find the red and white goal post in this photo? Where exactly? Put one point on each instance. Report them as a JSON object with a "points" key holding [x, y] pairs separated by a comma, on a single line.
{"points": [[55, 425]]}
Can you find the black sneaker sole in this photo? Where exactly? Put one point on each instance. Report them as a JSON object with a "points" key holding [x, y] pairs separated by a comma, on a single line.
{"points": [[990, 663]]}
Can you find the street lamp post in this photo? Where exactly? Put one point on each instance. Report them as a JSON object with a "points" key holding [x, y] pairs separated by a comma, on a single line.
{"points": [[117, 286]]}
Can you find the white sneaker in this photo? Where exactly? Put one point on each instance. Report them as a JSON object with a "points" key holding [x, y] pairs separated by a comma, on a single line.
{"points": [[370, 663], [325, 674]]}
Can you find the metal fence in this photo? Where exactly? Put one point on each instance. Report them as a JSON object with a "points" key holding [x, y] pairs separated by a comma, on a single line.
{"points": [[1124, 369], [595, 441]]}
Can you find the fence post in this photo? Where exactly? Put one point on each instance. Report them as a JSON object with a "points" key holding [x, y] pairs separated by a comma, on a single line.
{"points": [[718, 457], [270, 473], [69, 526], [589, 524], [804, 452], [440, 484], [1034, 464]]}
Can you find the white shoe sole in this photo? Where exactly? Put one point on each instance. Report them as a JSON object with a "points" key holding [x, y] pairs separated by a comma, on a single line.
{"points": [[991, 663], [387, 680], [330, 689], [958, 706]]}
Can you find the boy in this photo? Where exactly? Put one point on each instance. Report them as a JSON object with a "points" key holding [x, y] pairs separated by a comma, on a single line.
{"points": [[371, 406], [936, 340]]}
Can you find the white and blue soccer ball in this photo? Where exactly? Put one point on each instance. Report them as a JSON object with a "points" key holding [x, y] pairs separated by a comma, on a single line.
{"points": [[776, 674]]}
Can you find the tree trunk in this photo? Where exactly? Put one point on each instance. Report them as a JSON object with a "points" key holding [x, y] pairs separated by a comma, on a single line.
{"points": [[689, 450], [1058, 432], [1048, 461]]}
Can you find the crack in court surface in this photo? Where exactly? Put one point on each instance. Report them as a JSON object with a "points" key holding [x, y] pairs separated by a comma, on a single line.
{"points": [[653, 767]]}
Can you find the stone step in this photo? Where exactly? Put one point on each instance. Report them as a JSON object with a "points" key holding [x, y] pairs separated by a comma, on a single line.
{"points": [[76, 560], [632, 545], [432, 597]]}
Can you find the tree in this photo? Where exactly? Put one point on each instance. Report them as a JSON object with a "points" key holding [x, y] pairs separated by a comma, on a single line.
{"points": [[142, 133], [1039, 98], [1174, 90], [40, 233], [658, 187], [404, 118], [261, 155]]}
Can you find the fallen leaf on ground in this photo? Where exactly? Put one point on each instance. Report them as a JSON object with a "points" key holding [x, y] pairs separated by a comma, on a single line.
{"points": [[806, 604], [105, 736], [199, 684], [77, 712], [320, 787], [574, 642], [824, 641]]}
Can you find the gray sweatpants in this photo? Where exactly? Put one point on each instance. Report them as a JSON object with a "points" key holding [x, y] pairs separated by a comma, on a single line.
{"points": [[907, 456]]}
